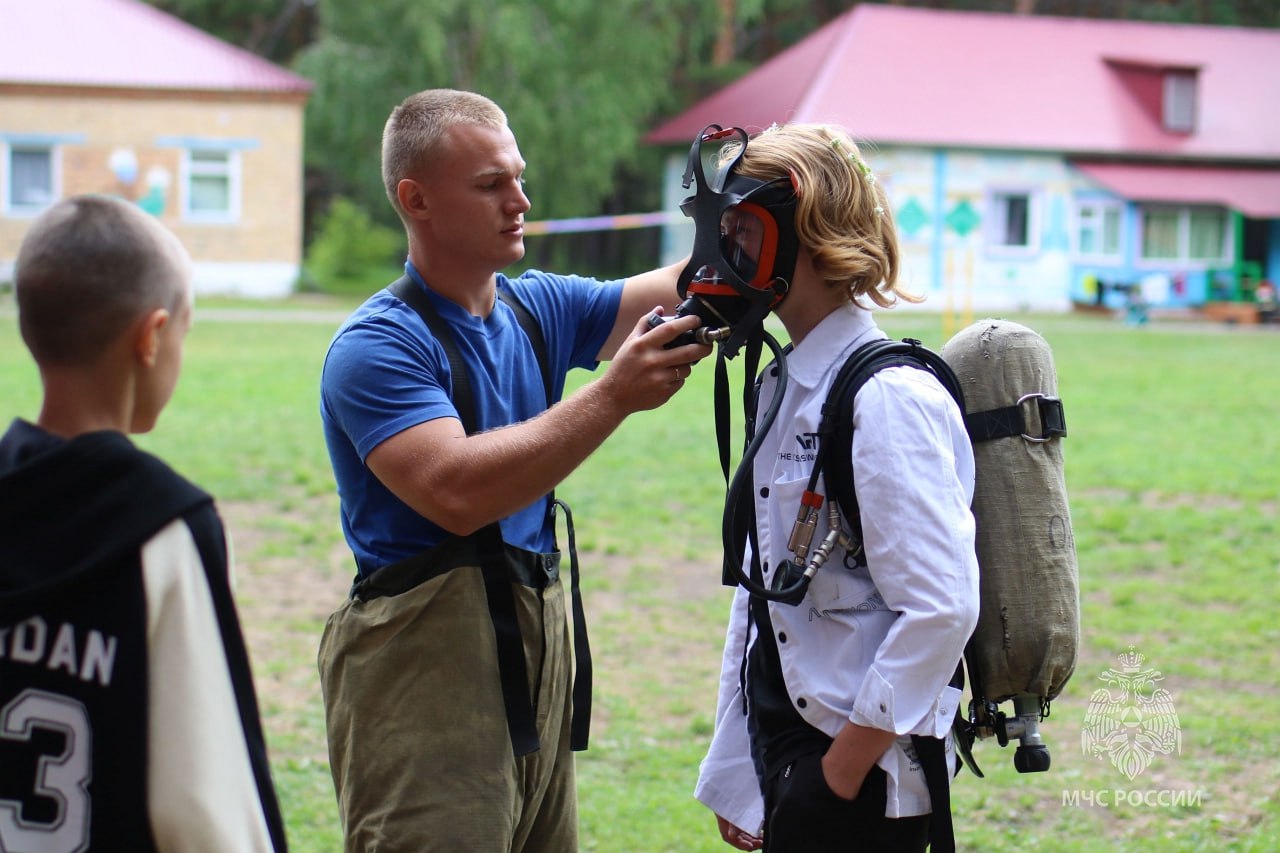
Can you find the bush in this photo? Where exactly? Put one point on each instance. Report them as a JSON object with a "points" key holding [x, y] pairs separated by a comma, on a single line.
{"points": [[351, 254]]}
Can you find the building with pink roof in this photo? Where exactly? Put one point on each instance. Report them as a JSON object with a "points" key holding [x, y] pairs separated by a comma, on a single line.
{"points": [[117, 97], [1037, 162]]}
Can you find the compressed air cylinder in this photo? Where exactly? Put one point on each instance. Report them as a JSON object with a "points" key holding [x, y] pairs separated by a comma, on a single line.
{"points": [[1029, 624]]}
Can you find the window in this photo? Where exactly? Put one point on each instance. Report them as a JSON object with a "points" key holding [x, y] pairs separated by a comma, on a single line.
{"points": [[1160, 234], [1009, 218], [1185, 234], [211, 185], [1179, 106], [29, 177], [1098, 229], [1207, 234]]}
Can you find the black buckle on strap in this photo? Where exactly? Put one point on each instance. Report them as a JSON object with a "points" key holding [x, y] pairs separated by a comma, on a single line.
{"points": [[1017, 420], [1053, 420]]}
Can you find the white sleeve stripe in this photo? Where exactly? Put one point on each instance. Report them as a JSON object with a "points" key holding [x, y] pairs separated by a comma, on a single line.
{"points": [[202, 794]]}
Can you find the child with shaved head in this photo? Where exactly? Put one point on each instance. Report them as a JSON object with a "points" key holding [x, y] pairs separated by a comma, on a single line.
{"points": [[128, 719]]}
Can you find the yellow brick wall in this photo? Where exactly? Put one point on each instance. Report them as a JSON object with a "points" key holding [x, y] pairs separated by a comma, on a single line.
{"points": [[269, 228]]}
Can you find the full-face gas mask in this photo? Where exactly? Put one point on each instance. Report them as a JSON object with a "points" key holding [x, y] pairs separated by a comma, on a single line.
{"points": [[744, 244]]}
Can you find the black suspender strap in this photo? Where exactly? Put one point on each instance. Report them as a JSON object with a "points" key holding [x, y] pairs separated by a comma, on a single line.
{"points": [[407, 290], [932, 753], [512, 670], [534, 333], [580, 727], [413, 296]]}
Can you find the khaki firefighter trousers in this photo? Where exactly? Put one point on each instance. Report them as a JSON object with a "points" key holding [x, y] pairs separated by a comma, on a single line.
{"points": [[419, 748]]}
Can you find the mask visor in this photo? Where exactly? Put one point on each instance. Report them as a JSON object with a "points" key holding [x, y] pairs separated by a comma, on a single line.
{"points": [[749, 242]]}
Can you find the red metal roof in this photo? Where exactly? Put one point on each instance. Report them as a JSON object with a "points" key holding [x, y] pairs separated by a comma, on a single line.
{"points": [[1254, 192], [125, 44], [986, 80]]}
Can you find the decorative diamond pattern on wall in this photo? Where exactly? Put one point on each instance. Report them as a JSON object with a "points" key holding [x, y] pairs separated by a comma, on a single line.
{"points": [[963, 218], [912, 217]]}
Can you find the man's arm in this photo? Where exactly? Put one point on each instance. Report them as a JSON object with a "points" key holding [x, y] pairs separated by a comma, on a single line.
{"points": [[639, 294], [463, 482]]}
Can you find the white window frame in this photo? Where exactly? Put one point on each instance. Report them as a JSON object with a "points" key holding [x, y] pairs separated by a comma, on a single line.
{"points": [[1183, 256], [996, 220], [1178, 105], [1100, 208], [191, 168], [18, 211]]}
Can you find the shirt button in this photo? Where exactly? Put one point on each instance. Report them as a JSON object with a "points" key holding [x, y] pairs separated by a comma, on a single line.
{"points": [[802, 703], [782, 636], [883, 709], [764, 492], [773, 371]]}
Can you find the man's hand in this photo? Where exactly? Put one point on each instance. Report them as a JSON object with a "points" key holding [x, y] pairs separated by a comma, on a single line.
{"points": [[738, 838], [643, 375]]}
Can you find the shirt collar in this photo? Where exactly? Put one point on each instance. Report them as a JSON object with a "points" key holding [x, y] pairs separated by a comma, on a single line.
{"points": [[829, 342]]}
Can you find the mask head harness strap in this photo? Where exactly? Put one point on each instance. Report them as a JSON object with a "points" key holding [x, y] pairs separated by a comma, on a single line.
{"points": [[744, 245]]}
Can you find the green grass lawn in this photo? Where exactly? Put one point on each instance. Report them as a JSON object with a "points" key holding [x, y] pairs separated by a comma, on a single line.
{"points": [[1173, 464]]}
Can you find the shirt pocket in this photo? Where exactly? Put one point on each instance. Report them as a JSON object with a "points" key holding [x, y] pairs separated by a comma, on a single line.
{"points": [[834, 588]]}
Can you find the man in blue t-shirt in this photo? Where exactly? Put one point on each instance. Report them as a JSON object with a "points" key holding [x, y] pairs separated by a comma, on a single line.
{"points": [[447, 678]]}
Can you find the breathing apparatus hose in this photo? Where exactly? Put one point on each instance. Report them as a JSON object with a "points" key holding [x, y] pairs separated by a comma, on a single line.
{"points": [[731, 528]]}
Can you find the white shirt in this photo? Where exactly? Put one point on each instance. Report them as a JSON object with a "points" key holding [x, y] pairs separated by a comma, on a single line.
{"points": [[876, 646]]}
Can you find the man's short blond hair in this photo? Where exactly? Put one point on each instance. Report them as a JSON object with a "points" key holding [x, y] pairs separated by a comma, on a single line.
{"points": [[413, 132], [88, 268]]}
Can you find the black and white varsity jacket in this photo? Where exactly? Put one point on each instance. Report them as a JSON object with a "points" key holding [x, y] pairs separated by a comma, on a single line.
{"points": [[128, 719]]}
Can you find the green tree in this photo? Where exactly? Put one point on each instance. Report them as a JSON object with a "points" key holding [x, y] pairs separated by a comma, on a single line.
{"points": [[274, 29], [581, 81], [351, 253]]}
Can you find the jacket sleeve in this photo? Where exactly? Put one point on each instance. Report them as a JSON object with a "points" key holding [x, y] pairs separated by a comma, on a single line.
{"points": [[201, 790], [913, 470]]}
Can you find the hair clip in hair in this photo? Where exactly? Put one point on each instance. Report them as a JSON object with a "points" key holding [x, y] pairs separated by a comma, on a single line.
{"points": [[854, 159], [879, 210]]}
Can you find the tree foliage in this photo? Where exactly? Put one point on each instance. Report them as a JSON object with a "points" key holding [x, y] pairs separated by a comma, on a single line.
{"points": [[351, 253], [580, 80], [273, 29]]}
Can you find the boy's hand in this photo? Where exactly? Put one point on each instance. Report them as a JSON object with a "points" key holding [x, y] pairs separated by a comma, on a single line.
{"points": [[737, 838]]}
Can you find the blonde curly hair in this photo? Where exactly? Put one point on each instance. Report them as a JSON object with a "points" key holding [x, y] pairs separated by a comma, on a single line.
{"points": [[842, 214]]}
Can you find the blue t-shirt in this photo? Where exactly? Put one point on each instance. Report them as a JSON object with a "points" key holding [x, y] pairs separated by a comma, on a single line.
{"points": [[385, 372]]}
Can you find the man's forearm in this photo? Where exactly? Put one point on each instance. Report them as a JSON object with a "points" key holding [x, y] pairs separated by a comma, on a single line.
{"points": [[495, 473], [463, 482]]}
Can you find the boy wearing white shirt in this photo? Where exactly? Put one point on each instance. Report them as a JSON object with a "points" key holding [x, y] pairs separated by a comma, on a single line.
{"points": [[819, 701]]}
